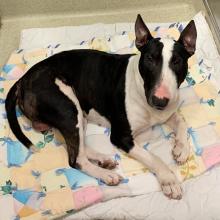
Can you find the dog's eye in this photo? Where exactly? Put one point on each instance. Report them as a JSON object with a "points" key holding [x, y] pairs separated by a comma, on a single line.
{"points": [[149, 58], [176, 60]]}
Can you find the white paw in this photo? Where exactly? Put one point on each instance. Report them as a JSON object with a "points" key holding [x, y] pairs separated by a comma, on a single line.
{"points": [[111, 178], [170, 185], [181, 152]]}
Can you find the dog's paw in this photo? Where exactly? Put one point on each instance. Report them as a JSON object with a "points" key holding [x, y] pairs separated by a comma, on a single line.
{"points": [[170, 185], [102, 160], [107, 163], [181, 152], [111, 178]]}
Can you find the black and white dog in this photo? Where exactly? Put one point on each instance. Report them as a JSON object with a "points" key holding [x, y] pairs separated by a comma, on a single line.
{"points": [[132, 92]]}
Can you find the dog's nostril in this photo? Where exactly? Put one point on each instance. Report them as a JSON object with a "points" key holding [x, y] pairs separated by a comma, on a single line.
{"points": [[160, 103]]}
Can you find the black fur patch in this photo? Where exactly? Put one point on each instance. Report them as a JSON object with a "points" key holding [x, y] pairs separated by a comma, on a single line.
{"points": [[98, 80], [179, 62], [150, 65]]}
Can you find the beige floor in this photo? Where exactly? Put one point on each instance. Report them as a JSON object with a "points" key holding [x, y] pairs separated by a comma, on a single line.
{"points": [[17, 15]]}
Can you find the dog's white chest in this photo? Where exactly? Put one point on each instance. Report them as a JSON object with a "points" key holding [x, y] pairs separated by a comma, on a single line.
{"points": [[140, 119], [140, 115]]}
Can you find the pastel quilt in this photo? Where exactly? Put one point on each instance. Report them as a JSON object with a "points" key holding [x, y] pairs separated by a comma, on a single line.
{"points": [[43, 186]]}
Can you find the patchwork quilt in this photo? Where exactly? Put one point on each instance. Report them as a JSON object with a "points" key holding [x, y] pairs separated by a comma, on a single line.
{"points": [[43, 186]]}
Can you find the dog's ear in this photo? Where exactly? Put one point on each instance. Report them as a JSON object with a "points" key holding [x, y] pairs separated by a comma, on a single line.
{"points": [[141, 32], [188, 38]]}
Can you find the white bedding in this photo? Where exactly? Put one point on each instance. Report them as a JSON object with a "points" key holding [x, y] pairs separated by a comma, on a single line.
{"points": [[69, 36], [201, 198], [201, 201]]}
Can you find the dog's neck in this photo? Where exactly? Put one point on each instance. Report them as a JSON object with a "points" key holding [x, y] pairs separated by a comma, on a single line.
{"points": [[136, 104], [138, 81]]}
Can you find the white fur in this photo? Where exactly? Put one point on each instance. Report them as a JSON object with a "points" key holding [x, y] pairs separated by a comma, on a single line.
{"points": [[140, 115], [168, 77], [68, 91], [181, 149], [95, 118]]}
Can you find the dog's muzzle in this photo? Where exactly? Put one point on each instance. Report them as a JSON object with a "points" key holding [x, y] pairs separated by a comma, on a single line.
{"points": [[159, 103]]}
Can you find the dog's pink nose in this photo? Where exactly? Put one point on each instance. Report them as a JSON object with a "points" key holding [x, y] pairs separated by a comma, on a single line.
{"points": [[162, 92]]}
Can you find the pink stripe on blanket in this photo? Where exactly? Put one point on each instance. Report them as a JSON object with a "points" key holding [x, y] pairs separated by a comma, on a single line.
{"points": [[211, 156], [15, 73], [87, 196]]}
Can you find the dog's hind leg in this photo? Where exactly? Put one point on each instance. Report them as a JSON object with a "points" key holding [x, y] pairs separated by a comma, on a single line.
{"points": [[40, 126], [59, 111], [102, 160], [109, 177]]}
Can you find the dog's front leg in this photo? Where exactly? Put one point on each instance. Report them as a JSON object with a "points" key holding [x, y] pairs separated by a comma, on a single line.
{"points": [[181, 149], [167, 179]]}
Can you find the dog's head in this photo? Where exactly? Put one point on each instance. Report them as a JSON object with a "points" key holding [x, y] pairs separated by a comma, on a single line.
{"points": [[163, 63]]}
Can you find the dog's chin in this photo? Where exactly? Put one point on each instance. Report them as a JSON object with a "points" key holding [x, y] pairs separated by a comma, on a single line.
{"points": [[156, 107], [160, 108]]}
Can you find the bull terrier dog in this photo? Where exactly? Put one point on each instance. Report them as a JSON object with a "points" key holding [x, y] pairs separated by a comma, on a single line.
{"points": [[132, 92]]}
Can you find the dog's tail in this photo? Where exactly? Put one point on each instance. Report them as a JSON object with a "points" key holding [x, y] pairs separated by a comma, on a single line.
{"points": [[10, 106]]}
